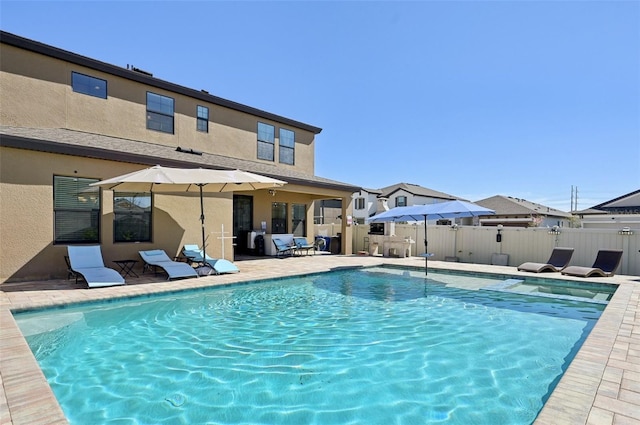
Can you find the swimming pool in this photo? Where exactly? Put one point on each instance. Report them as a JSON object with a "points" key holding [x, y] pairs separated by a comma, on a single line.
{"points": [[362, 346]]}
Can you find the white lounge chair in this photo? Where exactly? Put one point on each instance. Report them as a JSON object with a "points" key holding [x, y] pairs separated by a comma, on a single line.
{"points": [[158, 258], [87, 262], [219, 265]]}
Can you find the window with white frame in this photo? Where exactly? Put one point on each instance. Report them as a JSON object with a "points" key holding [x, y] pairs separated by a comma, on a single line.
{"points": [[287, 146], [360, 203], [266, 141]]}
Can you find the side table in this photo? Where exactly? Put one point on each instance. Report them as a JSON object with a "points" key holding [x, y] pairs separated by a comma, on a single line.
{"points": [[126, 267]]}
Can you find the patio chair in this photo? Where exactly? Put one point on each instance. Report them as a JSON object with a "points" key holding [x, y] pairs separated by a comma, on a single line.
{"points": [[301, 243], [158, 258], [606, 263], [86, 261], [219, 265], [559, 259], [282, 248]]}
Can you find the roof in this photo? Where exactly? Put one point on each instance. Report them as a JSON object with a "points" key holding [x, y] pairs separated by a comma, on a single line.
{"points": [[415, 190], [144, 78], [78, 143], [506, 205], [631, 199]]}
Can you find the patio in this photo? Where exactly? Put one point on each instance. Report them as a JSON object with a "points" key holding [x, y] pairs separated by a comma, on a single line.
{"points": [[602, 385]]}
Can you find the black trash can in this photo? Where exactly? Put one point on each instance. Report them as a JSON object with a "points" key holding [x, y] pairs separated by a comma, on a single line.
{"points": [[259, 241], [336, 245]]}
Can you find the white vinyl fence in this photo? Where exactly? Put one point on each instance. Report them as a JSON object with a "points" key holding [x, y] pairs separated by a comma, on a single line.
{"points": [[476, 244]]}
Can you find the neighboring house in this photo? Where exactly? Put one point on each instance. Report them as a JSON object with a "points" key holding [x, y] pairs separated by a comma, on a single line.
{"points": [[67, 121], [405, 194], [618, 213], [517, 212], [327, 211], [365, 204]]}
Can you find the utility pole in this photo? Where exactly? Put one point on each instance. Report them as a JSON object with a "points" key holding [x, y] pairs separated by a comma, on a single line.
{"points": [[574, 198]]}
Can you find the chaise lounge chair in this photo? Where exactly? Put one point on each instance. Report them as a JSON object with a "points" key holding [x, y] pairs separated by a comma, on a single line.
{"points": [[301, 243], [87, 262], [559, 259], [158, 258], [219, 265], [282, 248], [607, 261]]}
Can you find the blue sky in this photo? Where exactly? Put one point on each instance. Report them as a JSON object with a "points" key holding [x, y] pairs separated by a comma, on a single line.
{"points": [[470, 98]]}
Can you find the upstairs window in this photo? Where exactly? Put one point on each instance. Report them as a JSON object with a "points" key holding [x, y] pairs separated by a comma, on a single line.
{"points": [[132, 217], [359, 204], [287, 146], [266, 141], [160, 113], [202, 123], [401, 201], [91, 86], [76, 210]]}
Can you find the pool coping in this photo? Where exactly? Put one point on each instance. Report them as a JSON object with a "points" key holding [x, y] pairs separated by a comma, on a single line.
{"points": [[601, 386]]}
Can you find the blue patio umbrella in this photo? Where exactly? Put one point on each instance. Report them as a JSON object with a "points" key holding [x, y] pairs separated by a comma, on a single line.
{"points": [[448, 209]]}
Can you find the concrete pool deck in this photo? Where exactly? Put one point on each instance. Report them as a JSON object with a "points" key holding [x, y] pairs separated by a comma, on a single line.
{"points": [[601, 386]]}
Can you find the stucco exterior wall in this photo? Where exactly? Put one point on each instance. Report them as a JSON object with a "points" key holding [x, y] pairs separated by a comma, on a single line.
{"points": [[27, 251], [26, 215], [37, 92]]}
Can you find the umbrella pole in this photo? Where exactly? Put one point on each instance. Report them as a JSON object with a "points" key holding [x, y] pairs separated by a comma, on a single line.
{"points": [[426, 252], [204, 252]]}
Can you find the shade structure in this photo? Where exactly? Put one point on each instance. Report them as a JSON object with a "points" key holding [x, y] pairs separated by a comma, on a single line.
{"points": [[448, 209], [160, 179]]}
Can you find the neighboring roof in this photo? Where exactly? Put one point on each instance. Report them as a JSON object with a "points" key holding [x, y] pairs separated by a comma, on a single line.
{"points": [[415, 190], [506, 205], [144, 78], [629, 200], [77, 143], [372, 191]]}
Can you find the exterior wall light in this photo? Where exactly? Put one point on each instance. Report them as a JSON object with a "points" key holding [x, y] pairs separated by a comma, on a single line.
{"points": [[625, 231]]}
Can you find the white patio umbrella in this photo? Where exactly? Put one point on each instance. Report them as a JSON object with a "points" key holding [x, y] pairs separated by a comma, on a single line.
{"points": [[160, 179], [448, 209]]}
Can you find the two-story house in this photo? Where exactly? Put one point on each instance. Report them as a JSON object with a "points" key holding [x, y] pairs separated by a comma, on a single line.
{"points": [[67, 121]]}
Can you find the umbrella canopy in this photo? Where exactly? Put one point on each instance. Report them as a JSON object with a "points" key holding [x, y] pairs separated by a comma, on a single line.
{"points": [[448, 209], [160, 179]]}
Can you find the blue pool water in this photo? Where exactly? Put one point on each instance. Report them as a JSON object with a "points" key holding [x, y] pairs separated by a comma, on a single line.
{"points": [[372, 346]]}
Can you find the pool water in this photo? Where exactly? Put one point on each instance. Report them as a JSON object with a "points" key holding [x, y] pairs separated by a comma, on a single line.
{"points": [[370, 346]]}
